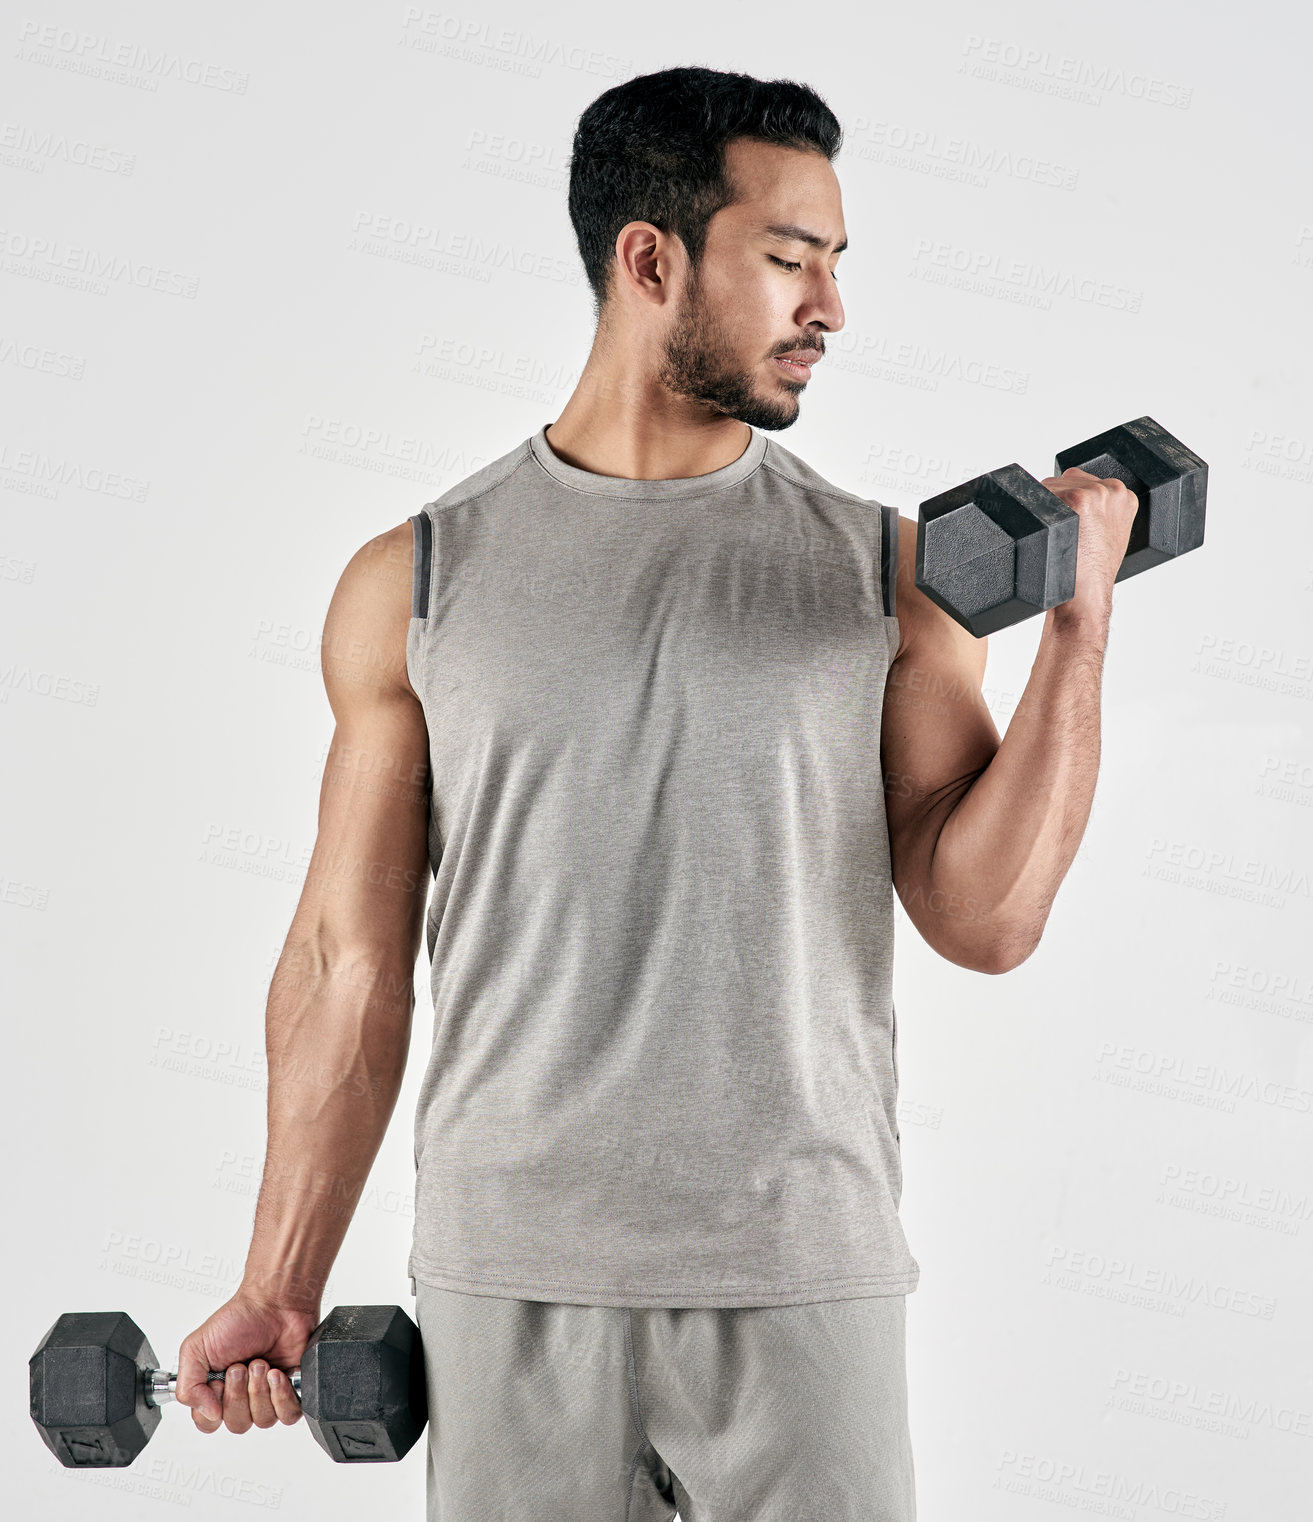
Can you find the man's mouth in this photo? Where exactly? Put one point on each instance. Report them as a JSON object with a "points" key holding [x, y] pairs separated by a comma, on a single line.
{"points": [[799, 364]]}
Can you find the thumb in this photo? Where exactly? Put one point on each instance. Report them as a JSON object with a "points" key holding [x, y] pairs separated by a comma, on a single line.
{"points": [[193, 1388]]}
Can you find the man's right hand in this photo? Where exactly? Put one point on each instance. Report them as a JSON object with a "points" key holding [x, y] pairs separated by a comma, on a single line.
{"points": [[253, 1344]]}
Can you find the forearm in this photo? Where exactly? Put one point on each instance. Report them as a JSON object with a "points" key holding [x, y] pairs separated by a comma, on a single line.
{"points": [[336, 1040], [1009, 841]]}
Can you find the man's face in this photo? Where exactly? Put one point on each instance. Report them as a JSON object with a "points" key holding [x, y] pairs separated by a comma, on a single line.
{"points": [[757, 296]]}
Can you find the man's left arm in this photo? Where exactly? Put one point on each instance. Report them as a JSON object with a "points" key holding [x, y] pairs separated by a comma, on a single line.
{"points": [[982, 831]]}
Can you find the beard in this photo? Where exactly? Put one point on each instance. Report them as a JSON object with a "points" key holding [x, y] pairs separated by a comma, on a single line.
{"points": [[699, 362]]}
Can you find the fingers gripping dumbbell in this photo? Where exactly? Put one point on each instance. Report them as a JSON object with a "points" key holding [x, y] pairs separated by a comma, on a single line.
{"points": [[97, 1388], [1001, 548]]}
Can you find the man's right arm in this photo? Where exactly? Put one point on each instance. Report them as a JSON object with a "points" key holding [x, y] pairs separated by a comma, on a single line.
{"points": [[337, 1024]]}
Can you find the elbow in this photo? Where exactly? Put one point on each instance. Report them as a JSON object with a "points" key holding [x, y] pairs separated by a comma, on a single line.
{"points": [[970, 933], [998, 953], [1001, 958]]}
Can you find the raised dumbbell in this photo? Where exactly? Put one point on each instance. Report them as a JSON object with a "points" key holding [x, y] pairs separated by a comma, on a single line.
{"points": [[1000, 548], [97, 1388]]}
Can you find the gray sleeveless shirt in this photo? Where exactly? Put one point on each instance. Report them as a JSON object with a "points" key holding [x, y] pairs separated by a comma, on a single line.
{"points": [[664, 1063]]}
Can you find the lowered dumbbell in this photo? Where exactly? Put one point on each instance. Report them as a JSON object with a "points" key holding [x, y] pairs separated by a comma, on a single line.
{"points": [[97, 1388], [1000, 548]]}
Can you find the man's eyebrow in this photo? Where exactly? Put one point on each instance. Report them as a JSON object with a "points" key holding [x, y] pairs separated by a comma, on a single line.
{"points": [[790, 232]]}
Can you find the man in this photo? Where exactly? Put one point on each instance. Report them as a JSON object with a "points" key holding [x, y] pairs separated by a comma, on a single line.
{"points": [[646, 695]]}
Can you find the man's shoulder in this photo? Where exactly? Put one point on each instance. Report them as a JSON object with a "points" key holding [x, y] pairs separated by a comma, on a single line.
{"points": [[481, 479], [784, 462], [368, 620], [925, 631]]}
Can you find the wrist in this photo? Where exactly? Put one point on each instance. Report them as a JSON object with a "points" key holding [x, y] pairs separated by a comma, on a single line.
{"points": [[283, 1288], [1082, 620]]}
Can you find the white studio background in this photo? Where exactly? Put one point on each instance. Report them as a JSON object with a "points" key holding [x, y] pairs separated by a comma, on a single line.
{"points": [[275, 276]]}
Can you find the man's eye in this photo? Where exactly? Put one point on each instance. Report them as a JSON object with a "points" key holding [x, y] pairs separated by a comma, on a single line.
{"points": [[786, 264]]}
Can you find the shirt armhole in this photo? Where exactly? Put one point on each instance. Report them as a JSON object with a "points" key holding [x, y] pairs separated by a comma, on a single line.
{"points": [[423, 565], [888, 559], [889, 577]]}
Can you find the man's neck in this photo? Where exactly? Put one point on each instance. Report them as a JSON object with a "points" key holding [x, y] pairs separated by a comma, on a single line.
{"points": [[616, 442]]}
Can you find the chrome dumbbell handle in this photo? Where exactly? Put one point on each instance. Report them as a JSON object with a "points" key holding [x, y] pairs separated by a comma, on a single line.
{"points": [[162, 1387]]}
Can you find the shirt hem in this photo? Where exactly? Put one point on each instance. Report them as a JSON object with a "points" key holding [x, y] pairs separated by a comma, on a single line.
{"points": [[810, 1292]]}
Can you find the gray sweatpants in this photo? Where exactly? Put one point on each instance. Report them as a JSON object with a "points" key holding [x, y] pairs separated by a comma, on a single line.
{"points": [[548, 1412]]}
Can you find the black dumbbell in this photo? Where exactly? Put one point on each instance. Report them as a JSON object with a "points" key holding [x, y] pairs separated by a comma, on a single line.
{"points": [[97, 1388], [1000, 548]]}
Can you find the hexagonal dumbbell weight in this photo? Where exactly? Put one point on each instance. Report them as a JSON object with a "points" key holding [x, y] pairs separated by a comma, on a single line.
{"points": [[1000, 548], [96, 1386]]}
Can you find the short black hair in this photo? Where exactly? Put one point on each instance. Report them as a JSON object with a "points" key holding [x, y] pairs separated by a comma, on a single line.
{"points": [[653, 150]]}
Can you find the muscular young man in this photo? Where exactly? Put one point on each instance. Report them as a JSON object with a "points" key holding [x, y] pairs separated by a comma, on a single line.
{"points": [[646, 699]]}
